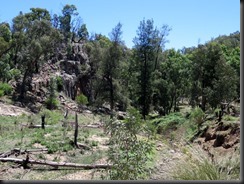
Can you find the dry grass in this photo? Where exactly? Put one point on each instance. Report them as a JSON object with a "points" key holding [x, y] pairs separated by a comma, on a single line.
{"points": [[196, 165]]}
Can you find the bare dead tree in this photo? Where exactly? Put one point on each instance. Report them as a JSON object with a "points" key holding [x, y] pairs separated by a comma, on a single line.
{"points": [[76, 130], [43, 121]]}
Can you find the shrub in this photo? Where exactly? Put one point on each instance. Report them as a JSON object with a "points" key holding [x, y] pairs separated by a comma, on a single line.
{"points": [[129, 154], [229, 118], [81, 99], [94, 143], [52, 117], [230, 167], [59, 82], [1, 93], [52, 148], [51, 103], [168, 122], [197, 170], [15, 73], [197, 166], [196, 124], [197, 116], [67, 147], [6, 88]]}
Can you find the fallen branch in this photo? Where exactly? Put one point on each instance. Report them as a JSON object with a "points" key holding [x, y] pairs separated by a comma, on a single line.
{"points": [[83, 146], [91, 126], [19, 151], [6, 154], [38, 126], [56, 164]]}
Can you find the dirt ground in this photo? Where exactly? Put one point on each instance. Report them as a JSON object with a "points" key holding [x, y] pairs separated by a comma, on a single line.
{"points": [[167, 153], [11, 110]]}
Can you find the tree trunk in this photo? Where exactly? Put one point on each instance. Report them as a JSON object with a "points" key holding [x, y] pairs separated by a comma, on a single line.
{"points": [[144, 86], [76, 130], [111, 96], [65, 118], [203, 103], [22, 92], [43, 121], [36, 66]]}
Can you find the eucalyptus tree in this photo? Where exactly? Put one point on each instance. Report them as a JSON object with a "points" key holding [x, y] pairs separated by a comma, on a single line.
{"points": [[96, 47], [34, 40], [213, 79], [67, 19], [5, 38], [171, 81], [5, 46]]}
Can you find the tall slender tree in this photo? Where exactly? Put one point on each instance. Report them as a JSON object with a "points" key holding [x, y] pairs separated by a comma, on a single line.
{"points": [[148, 44], [111, 65]]}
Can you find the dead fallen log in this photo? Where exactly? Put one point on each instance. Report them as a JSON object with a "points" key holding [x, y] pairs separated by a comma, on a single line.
{"points": [[38, 126], [91, 126], [18, 151], [6, 154], [57, 164], [34, 126], [83, 146]]}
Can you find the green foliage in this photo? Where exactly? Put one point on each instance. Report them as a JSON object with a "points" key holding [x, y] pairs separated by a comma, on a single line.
{"points": [[52, 116], [109, 70], [170, 81], [82, 32], [94, 143], [230, 167], [146, 77], [59, 81], [15, 73], [229, 118], [34, 41], [197, 116], [1, 93], [5, 75], [69, 12], [52, 148], [38, 14], [51, 102], [148, 45], [194, 123], [5, 32], [88, 158], [212, 78], [6, 88], [127, 152], [168, 122], [52, 143], [204, 170], [81, 99], [197, 166], [66, 147]]}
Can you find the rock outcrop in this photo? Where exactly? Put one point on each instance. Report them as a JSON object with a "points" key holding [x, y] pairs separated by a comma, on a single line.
{"points": [[221, 138]]}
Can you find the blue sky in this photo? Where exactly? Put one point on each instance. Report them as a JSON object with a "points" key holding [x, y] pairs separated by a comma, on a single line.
{"points": [[192, 21]]}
